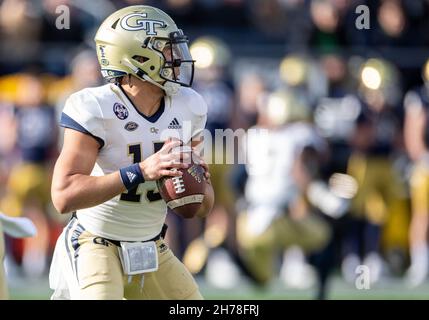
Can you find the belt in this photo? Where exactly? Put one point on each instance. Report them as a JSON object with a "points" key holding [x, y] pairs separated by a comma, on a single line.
{"points": [[161, 235]]}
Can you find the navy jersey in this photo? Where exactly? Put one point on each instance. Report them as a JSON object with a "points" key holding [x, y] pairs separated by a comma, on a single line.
{"points": [[36, 132]]}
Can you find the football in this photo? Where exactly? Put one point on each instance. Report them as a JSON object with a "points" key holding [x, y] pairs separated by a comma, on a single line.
{"points": [[184, 194]]}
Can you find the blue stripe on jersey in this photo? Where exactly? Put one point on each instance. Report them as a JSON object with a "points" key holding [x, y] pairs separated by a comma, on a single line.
{"points": [[75, 236], [69, 227], [76, 246], [68, 122]]}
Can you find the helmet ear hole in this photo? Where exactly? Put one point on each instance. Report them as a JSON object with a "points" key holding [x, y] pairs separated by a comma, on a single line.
{"points": [[152, 68], [140, 59]]}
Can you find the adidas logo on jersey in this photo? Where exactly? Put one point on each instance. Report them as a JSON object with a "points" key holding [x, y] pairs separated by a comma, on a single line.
{"points": [[131, 176], [174, 124]]}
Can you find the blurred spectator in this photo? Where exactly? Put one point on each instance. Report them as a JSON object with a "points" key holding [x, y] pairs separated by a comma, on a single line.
{"points": [[20, 28], [327, 33], [394, 27]]}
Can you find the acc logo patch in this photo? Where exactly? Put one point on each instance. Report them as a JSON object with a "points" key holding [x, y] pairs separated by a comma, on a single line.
{"points": [[131, 126], [138, 21], [120, 110]]}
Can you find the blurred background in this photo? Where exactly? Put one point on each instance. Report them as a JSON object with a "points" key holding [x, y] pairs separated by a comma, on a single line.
{"points": [[346, 111]]}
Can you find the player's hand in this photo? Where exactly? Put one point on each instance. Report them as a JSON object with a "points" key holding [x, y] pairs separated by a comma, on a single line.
{"points": [[164, 162], [199, 160]]}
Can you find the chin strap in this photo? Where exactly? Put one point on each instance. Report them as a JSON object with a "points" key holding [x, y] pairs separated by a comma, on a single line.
{"points": [[169, 88]]}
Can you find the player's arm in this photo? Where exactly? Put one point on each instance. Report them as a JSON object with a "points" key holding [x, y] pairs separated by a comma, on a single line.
{"points": [[72, 186], [208, 202], [414, 126]]}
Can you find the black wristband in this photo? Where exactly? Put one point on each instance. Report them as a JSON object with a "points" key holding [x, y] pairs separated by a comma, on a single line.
{"points": [[131, 176]]}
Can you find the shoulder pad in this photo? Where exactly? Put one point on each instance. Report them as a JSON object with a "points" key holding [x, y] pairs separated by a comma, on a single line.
{"points": [[84, 99], [82, 112], [193, 101]]}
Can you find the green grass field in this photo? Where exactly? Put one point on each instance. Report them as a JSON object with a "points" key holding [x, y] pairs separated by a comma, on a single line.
{"points": [[391, 290]]}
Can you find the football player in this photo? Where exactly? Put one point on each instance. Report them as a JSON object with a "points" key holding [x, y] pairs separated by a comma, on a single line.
{"points": [[280, 165], [379, 199], [416, 138], [114, 152], [27, 191]]}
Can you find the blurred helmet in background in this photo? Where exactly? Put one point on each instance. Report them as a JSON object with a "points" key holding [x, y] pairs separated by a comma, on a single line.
{"points": [[210, 52], [282, 107], [212, 56], [379, 83], [300, 73], [293, 70], [145, 42]]}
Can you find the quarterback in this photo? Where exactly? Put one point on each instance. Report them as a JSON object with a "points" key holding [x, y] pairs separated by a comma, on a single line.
{"points": [[115, 148]]}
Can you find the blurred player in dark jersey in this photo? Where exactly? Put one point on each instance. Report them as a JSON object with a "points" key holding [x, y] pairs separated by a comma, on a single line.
{"points": [[335, 114], [28, 186], [376, 144]]}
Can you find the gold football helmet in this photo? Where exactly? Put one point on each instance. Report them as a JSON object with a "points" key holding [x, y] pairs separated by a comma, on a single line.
{"points": [[145, 42]]}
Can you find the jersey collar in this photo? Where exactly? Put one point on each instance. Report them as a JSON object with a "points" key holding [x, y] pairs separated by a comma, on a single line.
{"points": [[153, 118]]}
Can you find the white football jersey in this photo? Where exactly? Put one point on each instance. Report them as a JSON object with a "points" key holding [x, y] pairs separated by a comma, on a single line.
{"points": [[126, 136], [271, 158]]}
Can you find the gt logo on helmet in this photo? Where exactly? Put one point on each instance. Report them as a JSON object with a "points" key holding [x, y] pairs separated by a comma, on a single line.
{"points": [[137, 21]]}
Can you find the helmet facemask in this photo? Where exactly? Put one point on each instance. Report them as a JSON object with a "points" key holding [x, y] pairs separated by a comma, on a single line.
{"points": [[178, 65]]}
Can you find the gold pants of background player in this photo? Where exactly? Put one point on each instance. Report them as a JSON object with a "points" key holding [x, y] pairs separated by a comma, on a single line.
{"points": [[311, 233], [381, 197], [27, 182], [419, 188]]}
